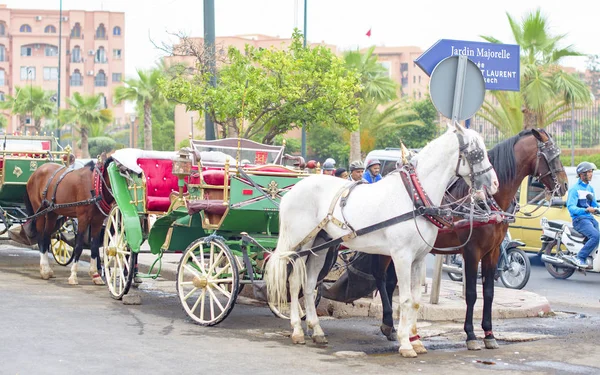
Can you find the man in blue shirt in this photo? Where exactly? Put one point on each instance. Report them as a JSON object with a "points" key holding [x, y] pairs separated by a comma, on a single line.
{"points": [[372, 170], [581, 210]]}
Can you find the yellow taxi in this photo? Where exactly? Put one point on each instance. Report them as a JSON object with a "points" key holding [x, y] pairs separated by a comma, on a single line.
{"points": [[533, 207]]}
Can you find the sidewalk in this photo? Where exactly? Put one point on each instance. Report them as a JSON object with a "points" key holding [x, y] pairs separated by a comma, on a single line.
{"points": [[508, 303]]}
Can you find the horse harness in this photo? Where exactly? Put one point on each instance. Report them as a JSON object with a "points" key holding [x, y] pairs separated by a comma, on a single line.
{"points": [[98, 181]]}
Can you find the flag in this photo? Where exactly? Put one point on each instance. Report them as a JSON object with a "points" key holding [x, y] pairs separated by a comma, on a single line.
{"points": [[369, 33]]}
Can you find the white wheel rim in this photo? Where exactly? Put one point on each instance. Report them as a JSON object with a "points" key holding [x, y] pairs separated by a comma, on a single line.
{"points": [[205, 282], [116, 253]]}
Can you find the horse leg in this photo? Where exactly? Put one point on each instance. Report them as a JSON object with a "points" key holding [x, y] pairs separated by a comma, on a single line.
{"points": [[81, 229], [95, 257], [295, 319], [314, 265], [44, 246], [386, 283], [488, 270], [470, 264], [402, 267], [416, 292]]}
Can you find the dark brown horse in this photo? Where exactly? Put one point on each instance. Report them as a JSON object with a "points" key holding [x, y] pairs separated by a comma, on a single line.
{"points": [[530, 153], [69, 193]]}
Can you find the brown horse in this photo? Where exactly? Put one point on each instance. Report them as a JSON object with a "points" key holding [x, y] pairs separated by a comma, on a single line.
{"points": [[530, 153], [69, 193]]}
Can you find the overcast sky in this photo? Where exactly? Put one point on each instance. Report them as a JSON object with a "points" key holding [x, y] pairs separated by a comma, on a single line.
{"points": [[340, 22]]}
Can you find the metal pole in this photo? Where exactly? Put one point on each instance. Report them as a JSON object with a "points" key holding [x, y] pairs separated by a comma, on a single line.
{"points": [[60, 19], [209, 45], [192, 126], [303, 148], [572, 132]]}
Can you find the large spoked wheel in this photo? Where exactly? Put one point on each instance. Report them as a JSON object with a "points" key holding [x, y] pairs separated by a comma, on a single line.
{"points": [[283, 312], [119, 260], [207, 281], [515, 269], [555, 271], [62, 242]]}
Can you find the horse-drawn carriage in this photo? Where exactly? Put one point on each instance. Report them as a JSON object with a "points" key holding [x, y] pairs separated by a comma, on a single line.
{"points": [[20, 156], [217, 203]]}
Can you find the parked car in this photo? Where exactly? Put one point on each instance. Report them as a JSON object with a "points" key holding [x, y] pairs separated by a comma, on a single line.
{"points": [[388, 158], [528, 228]]}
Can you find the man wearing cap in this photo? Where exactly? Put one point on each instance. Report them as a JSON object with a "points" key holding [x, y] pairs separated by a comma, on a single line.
{"points": [[329, 168], [356, 171], [372, 174]]}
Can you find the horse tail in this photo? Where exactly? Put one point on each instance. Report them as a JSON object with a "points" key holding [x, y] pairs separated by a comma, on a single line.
{"points": [[276, 269], [29, 226]]}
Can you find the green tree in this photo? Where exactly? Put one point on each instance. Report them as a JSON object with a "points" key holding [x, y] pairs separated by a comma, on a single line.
{"points": [[328, 142], [377, 88], [145, 92], [98, 145], [547, 91], [31, 101], [272, 91], [83, 114], [413, 136]]}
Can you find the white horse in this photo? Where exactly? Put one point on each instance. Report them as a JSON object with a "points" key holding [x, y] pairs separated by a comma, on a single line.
{"points": [[312, 206]]}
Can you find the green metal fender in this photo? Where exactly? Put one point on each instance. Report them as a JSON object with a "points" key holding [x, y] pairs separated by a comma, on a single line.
{"points": [[131, 219]]}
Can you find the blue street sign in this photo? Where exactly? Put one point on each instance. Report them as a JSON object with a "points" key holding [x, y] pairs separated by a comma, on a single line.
{"points": [[499, 63]]}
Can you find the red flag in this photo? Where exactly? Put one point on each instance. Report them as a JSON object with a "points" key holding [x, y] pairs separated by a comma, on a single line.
{"points": [[369, 33]]}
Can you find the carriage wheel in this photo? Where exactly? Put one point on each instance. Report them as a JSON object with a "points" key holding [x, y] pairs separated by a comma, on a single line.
{"points": [[62, 250], [284, 312], [119, 260], [207, 281]]}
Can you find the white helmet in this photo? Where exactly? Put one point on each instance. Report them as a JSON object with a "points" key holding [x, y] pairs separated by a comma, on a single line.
{"points": [[330, 160]]}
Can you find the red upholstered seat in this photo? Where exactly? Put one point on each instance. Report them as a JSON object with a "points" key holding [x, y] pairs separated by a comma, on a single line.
{"points": [[272, 168], [160, 183], [214, 177]]}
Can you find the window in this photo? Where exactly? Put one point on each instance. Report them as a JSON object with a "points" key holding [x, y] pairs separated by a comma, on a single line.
{"points": [[76, 78], [50, 29], [117, 77], [2, 52], [117, 54], [76, 31], [26, 51], [414, 79], [2, 77], [51, 51], [116, 30], [2, 98], [403, 67], [27, 73], [387, 65], [2, 28], [76, 55], [50, 74], [100, 55], [102, 103], [100, 79], [25, 28], [419, 79], [101, 32]]}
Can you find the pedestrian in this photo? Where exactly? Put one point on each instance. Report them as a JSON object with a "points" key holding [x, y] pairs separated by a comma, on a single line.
{"points": [[341, 173], [356, 171], [329, 168], [372, 170]]}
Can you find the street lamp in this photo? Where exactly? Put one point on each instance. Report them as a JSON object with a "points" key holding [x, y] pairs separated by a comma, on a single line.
{"points": [[30, 79], [132, 119]]}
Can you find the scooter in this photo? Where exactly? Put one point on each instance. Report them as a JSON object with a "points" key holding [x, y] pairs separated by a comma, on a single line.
{"points": [[560, 239]]}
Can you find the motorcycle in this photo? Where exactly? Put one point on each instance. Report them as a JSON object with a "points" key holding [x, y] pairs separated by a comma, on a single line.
{"points": [[560, 239], [513, 269]]}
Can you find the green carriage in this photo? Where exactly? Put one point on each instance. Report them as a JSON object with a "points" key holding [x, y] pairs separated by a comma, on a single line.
{"points": [[217, 203], [20, 156]]}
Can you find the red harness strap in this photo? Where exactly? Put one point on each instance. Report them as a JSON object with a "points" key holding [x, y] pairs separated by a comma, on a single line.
{"points": [[419, 196], [97, 178]]}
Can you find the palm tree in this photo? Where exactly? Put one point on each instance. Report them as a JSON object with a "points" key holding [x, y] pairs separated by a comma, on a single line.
{"points": [[31, 101], [546, 89], [377, 88], [83, 114], [145, 92]]}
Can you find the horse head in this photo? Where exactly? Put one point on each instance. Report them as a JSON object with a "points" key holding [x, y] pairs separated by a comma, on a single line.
{"points": [[548, 168], [473, 163]]}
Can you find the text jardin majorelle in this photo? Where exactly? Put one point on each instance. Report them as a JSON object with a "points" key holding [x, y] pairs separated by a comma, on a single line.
{"points": [[489, 75]]}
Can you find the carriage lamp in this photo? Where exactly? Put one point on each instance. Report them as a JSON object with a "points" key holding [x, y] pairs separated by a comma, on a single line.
{"points": [[182, 168]]}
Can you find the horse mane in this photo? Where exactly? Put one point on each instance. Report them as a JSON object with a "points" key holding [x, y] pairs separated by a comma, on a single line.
{"points": [[90, 164], [502, 157]]}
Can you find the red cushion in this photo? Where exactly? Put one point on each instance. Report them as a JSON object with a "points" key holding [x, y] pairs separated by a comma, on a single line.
{"points": [[272, 168], [214, 177], [160, 183], [157, 203]]}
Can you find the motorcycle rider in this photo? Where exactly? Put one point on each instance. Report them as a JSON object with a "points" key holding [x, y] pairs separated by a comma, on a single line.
{"points": [[372, 170], [328, 168], [581, 210], [356, 171]]}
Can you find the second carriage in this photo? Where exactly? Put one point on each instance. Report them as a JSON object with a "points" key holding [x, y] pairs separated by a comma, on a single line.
{"points": [[217, 203]]}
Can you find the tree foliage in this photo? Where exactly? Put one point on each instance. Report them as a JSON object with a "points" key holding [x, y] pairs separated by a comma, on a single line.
{"points": [[328, 142], [272, 91], [98, 145], [413, 136], [31, 101]]}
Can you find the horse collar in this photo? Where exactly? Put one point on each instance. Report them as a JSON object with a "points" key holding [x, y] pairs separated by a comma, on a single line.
{"points": [[97, 179]]}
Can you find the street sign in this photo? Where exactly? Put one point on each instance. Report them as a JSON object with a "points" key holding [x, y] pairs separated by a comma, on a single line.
{"points": [[499, 63], [457, 90]]}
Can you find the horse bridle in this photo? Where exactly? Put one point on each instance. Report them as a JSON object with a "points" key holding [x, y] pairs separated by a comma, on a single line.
{"points": [[551, 153], [472, 158]]}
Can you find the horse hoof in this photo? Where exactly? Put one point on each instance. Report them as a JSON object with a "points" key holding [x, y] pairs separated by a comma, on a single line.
{"points": [[319, 340], [97, 280], [73, 281], [389, 332], [473, 345], [46, 275], [491, 344], [419, 348], [299, 340], [408, 353]]}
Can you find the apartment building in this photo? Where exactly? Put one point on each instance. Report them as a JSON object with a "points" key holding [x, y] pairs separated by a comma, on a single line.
{"points": [[92, 54]]}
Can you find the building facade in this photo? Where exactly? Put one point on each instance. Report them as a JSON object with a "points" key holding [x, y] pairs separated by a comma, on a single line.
{"points": [[92, 48]]}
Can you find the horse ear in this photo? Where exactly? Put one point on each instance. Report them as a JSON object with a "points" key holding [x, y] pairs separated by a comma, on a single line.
{"points": [[451, 127], [460, 128], [537, 134]]}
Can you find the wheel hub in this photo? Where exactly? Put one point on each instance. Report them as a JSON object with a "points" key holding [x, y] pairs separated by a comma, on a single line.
{"points": [[111, 251], [200, 282]]}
